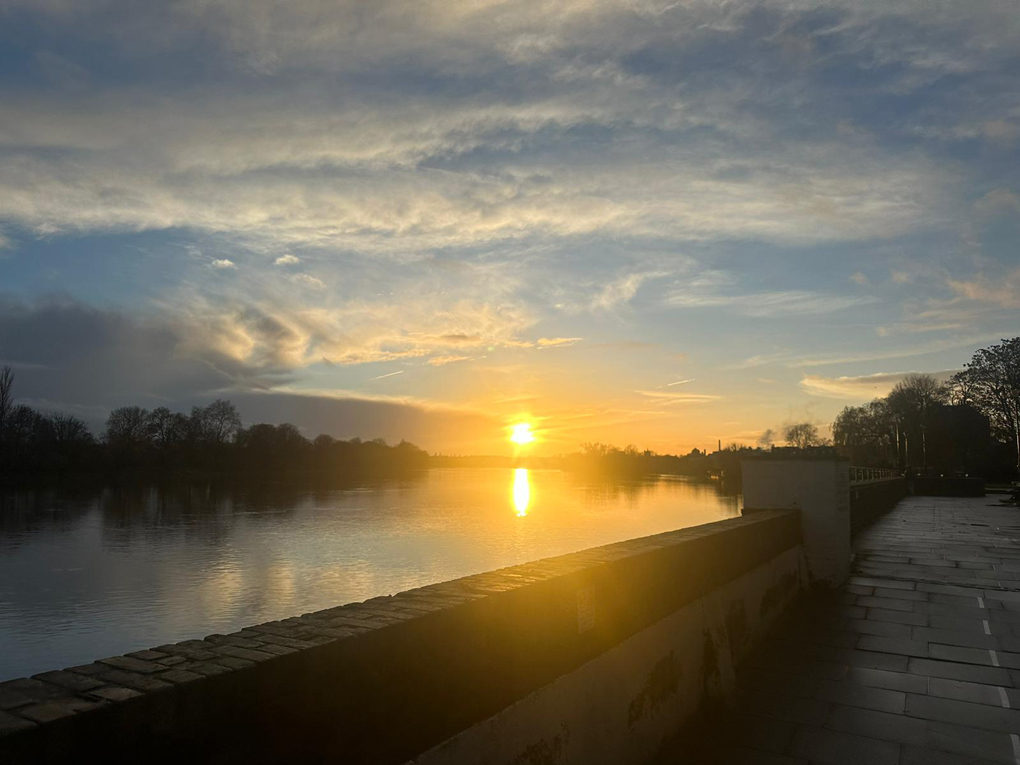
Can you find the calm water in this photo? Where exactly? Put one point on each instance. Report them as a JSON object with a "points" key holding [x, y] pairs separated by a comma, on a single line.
{"points": [[99, 573]]}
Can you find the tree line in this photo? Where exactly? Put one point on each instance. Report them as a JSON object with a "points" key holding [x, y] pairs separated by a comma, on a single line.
{"points": [[970, 424], [209, 438]]}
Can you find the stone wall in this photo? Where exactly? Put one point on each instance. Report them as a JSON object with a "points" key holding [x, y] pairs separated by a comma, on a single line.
{"points": [[936, 486], [869, 500], [621, 706], [629, 637]]}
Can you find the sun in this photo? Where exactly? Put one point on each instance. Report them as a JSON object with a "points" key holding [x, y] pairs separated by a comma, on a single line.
{"points": [[521, 433]]}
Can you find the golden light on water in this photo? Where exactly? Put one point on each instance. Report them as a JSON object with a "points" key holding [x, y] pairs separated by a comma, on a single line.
{"points": [[522, 491], [521, 433]]}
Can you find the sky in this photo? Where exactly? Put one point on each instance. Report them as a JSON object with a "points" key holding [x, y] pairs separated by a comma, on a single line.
{"points": [[653, 223]]}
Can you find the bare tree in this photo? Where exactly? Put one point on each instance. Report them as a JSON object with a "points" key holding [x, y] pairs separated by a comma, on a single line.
{"points": [[129, 426], [991, 383], [802, 435], [913, 400], [867, 433], [168, 428], [219, 422], [6, 397], [767, 438], [68, 429]]}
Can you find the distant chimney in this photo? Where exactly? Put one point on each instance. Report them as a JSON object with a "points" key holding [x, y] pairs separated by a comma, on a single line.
{"points": [[720, 444]]}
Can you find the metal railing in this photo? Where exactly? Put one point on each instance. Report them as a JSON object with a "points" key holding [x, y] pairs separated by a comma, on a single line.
{"points": [[863, 474]]}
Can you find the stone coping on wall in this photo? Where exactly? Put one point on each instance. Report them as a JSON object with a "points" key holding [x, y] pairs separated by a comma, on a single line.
{"points": [[499, 635]]}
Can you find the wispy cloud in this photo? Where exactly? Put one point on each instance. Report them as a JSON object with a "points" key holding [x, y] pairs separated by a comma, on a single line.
{"points": [[307, 280], [623, 290], [442, 361], [795, 360], [333, 184], [388, 374], [765, 304], [557, 342], [860, 387], [1003, 291], [678, 398]]}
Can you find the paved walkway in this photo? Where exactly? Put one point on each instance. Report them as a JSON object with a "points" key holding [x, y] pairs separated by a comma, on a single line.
{"points": [[916, 661]]}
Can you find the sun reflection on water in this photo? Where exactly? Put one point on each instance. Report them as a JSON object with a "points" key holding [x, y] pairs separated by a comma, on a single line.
{"points": [[522, 491]]}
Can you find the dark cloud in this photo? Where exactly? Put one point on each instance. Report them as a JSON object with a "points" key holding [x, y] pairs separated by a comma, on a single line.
{"points": [[70, 352], [433, 427], [86, 360]]}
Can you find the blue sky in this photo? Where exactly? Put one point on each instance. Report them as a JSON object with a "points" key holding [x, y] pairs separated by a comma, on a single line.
{"points": [[652, 222]]}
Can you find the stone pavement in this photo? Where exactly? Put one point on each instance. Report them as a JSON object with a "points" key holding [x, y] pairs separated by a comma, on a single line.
{"points": [[916, 659]]}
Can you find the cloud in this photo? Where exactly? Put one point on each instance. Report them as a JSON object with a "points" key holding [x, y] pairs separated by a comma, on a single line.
{"points": [[998, 201], [861, 387], [1003, 291], [434, 427], [223, 264], [763, 304], [678, 398], [467, 176], [622, 290], [625, 126], [800, 360], [441, 361], [557, 342], [388, 374], [455, 338], [71, 352], [87, 361], [307, 280], [859, 278]]}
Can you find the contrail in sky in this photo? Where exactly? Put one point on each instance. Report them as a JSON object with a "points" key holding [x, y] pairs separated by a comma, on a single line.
{"points": [[387, 375]]}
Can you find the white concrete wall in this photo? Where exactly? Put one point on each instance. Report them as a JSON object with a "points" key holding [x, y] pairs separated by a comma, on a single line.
{"points": [[820, 490], [619, 707]]}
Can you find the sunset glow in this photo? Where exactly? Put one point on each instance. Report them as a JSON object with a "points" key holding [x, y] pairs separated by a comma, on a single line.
{"points": [[521, 492], [521, 434], [659, 223]]}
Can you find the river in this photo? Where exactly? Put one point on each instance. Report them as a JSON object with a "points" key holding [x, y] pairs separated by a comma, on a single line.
{"points": [[97, 572]]}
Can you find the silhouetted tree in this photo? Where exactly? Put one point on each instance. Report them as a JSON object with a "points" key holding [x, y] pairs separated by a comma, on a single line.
{"points": [[6, 400], [802, 435], [210, 439], [27, 434], [217, 423], [912, 401], [867, 434], [991, 383], [168, 429], [67, 429], [129, 427]]}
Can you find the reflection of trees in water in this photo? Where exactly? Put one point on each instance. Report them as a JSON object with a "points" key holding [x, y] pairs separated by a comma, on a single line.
{"points": [[205, 510], [25, 512], [716, 487], [609, 491]]}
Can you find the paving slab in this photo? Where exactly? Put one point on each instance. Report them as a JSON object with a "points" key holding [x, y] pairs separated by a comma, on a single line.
{"points": [[916, 659]]}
